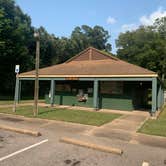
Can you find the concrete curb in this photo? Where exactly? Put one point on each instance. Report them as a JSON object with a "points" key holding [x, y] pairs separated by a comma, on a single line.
{"points": [[22, 131], [91, 146]]}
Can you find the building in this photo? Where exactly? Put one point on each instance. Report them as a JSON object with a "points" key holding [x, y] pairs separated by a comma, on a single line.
{"points": [[96, 79]]}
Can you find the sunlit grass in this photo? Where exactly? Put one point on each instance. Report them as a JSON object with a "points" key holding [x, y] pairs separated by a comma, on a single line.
{"points": [[75, 116]]}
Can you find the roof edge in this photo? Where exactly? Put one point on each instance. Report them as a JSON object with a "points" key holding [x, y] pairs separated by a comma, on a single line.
{"points": [[105, 53], [90, 76]]}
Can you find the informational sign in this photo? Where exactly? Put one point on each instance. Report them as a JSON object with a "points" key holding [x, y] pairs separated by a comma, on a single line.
{"points": [[71, 78], [17, 69]]}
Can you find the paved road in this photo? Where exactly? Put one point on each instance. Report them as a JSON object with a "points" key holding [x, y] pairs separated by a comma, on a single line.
{"points": [[55, 153]]}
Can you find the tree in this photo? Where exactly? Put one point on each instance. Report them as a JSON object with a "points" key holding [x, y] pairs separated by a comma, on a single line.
{"points": [[160, 26], [86, 36], [145, 46], [47, 47], [16, 36], [81, 38], [17, 44]]}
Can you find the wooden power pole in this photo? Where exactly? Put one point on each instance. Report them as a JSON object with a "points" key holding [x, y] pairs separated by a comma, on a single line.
{"points": [[36, 90]]}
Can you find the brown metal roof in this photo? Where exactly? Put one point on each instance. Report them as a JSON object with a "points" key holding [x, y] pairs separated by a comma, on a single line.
{"points": [[92, 62]]}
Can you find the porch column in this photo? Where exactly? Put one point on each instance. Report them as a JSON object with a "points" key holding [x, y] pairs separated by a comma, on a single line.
{"points": [[52, 92], [154, 95], [159, 98], [162, 96], [95, 94]]}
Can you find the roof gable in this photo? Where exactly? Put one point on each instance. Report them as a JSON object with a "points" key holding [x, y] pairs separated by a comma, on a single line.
{"points": [[91, 54], [92, 63]]}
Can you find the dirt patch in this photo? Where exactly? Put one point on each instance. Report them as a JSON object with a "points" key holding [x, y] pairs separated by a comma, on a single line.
{"points": [[76, 163], [73, 162], [68, 161], [1, 139]]}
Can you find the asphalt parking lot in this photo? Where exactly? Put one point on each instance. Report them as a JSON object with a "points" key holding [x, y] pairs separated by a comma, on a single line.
{"points": [[19, 149]]}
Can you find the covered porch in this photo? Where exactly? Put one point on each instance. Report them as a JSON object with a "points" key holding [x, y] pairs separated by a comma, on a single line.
{"points": [[98, 80], [133, 93]]}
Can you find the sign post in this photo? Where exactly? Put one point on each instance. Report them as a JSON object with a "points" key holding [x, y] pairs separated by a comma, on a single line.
{"points": [[17, 69]]}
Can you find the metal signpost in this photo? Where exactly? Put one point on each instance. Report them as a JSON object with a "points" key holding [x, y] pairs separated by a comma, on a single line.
{"points": [[17, 69]]}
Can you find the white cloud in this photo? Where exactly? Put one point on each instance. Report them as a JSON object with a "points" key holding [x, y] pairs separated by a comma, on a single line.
{"points": [[111, 20], [149, 20], [129, 27], [145, 20]]}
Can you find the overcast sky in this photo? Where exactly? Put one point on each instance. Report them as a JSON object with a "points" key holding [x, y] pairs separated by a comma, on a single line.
{"points": [[60, 17]]}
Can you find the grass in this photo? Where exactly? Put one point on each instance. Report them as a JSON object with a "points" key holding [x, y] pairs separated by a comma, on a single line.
{"points": [[155, 127], [75, 116], [5, 102]]}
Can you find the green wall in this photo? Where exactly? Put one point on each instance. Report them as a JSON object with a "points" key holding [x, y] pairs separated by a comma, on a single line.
{"points": [[117, 102], [67, 98], [105, 101], [134, 97]]}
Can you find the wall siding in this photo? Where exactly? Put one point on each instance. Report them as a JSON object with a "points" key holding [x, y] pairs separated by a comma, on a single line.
{"points": [[132, 98], [108, 102], [116, 102]]}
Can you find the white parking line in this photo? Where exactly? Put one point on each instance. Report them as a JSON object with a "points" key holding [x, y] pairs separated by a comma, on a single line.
{"points": [[22, 150], [145, 164]]}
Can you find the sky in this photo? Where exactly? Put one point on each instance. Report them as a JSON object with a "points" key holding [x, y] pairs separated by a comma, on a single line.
{"points": [[60, 17]]}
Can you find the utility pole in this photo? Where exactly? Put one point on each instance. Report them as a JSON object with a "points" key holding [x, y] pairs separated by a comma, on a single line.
{"points": [[36, 90]]}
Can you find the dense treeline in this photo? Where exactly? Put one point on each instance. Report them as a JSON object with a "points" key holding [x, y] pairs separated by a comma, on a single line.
{"points": [[16, 40], [145, 46], [17, 44]]}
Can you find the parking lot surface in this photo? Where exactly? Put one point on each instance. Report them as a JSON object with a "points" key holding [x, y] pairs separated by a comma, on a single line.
{"points": [[52, 152]]}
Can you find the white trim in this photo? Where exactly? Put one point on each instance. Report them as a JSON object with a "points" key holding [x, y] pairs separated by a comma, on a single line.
{"points": [[88, 76]]}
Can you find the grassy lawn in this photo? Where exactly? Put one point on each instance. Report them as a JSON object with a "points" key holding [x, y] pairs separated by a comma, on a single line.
{"points": [[76, 116], [5, 102], [155, 127]]}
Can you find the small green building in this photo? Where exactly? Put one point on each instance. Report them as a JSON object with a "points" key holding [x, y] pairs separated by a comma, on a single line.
{"points": [[96, 79]]}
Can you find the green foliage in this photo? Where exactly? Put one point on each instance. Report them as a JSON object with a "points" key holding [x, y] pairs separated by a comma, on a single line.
{"points": [[86, 36], [146, 46], [81, 38], [15, 41], [17, 44]]}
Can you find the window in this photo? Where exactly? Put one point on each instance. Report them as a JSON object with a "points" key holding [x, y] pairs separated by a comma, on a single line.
{"points": [[63, 88], [111, 87]]}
